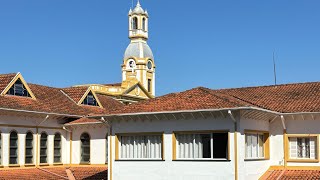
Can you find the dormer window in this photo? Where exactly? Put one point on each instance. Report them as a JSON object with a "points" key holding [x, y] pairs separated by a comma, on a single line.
{"points": [[18, 89], [90, 100]]}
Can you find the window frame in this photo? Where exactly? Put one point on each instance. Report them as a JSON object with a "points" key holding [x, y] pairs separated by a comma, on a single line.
{"points": [[17, 148], [306, 160], [88, 97], [266, 144], [47, 139], [25, 148], [85, 162], [25, 91], [60, 161], [118, 146], [211, 132]]}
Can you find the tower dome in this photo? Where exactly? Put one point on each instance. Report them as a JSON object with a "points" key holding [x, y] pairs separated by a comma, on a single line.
{"points": [[138, 49]]}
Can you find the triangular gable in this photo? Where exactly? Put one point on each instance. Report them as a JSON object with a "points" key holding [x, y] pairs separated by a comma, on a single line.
{"points": [[141, 88], [21, 85], [85, 98]]}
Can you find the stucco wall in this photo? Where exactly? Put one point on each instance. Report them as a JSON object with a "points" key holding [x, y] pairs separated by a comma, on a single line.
{"points": [[169, 169], [11, 123], [251, 169], [98, 150]]}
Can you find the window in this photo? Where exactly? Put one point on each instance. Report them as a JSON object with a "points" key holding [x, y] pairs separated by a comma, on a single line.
{"points": [[202, 146], [13, 148], [107, 156], [57, 148], [141, 147], [90, 100], [144, 24], [303, 147], [29, 148], [18, 89], [149, 85], [135, 23], [85, 148], [43, 148], [257, 144]]}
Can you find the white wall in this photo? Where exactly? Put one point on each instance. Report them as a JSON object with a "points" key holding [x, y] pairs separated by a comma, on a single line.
{"points": [[97, 143], [252, 169], [11, 123], [168, 169]]}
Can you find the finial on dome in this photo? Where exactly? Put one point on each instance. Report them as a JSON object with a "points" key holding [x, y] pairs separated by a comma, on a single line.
{"points": [[138, 3], [130, 11]]}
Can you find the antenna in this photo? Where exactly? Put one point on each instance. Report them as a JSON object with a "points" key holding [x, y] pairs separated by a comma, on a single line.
{"points": [[132, 4], [274, 70]]}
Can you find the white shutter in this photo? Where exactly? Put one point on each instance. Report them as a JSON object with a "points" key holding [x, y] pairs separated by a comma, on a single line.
{"points": [[293, 148]]}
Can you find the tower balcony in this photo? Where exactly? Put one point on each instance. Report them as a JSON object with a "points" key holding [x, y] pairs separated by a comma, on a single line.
{"points": [[137, 33]]}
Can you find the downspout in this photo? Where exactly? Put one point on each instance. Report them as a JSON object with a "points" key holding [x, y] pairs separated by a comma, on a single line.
{"points": [[285, 146], [37, 140], [235, 139]]}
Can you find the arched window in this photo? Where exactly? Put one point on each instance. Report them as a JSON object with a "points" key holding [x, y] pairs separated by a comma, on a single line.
{"points": [[57, 148], [107, 156], [144, 24], [29, 148], [135, 23], [13, 148], [43, 148], [85, 148]]}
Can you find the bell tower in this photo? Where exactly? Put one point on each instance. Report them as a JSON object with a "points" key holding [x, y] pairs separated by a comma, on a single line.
{"points": [[138, 62]]}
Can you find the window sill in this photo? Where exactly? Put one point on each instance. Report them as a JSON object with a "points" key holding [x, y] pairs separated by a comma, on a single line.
{"points": [[14, 165], [85, 163], [304, 160], [29, 165], [257, 159], [57, 164], [204, 160], [44, 164]]}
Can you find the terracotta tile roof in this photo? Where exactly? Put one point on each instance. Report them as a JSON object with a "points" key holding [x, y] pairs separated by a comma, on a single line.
{"points": [[286, 98], [75, 93], [89, 173], [292, 174], [300, 97], [109, 103], [5, 79], [54, 173], [33, 174], [53, 100], [82, 120], [194, 99]]}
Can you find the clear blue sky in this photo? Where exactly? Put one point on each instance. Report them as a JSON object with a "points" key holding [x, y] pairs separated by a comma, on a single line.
{"points": [[216, 44]]}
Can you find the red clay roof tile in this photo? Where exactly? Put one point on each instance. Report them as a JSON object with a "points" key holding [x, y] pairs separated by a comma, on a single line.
{"points": [[300, 97], [292, 174]]}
